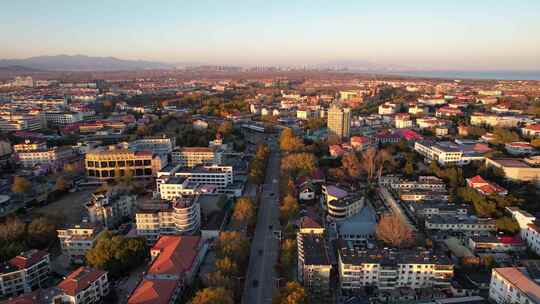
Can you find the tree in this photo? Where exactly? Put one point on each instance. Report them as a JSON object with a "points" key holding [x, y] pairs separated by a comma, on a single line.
{"points": [[292, 293], [295, 164], [392, 230], [227, 266], [117, 254], [288, 142], [536, 143], [41, 232], [289, 208], [288, 253], [61, 184], [503, 136], [233, 244], [315, 123], [351, 165], [20, 185], [213, 295], [409, 168], [507, 225], [244, 211], [225, 128], [218, 279]]}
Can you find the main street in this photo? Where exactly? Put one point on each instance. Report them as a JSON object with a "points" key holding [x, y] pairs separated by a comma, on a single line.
{"points": [[260, 279]]}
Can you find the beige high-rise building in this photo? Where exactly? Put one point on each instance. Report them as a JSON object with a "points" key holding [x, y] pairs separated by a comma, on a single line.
{"points": [[339, 121]]}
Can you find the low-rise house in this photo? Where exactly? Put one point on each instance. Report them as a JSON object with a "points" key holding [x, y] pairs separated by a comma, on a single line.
{"points": [[109, 207], [84, 286], [484, 187], [462, 224], [492, 244], [519, 148], [532, 130]]}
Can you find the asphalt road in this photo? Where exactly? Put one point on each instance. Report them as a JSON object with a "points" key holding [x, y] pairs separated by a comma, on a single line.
{"points": [[261, 267]]}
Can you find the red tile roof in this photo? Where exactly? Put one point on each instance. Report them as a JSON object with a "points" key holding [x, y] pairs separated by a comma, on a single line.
{"points": [[153, 291], [177, 254], [308, 222], [27, 259], [521, 281], [80, 279]]}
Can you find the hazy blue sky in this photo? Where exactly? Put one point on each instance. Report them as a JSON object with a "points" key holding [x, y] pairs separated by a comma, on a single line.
{"points": [[459, 34]]}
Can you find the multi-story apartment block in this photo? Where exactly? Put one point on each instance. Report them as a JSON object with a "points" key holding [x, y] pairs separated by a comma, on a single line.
{"points": [[529, 229], [314, 265], [182, 216], [19, 122], [396, 182], [478, 119], [24, 272], [174, 181], [84, 286], [339, 121], [48, 156], [158, 145], [388, 269], [108, 208], [514, 285], [103, 164], [76, 240], [415, 195], [345, 207], [190, 157], [28, 146], [387, 108], [60, 119], [462, 224], [448, 153]]}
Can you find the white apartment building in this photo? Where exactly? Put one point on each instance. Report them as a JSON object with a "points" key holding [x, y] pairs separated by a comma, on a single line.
{"points": [[387, 108], [75, 241], [513, 285], [403, 122], [158, 145], [461, 223], [182, 216], [479, 119], [60, 119], [342, 208], [19, 122], [396, 182], [108, 208], [50, 156], [194, 156], [24, 272], [220, 176], [529, 230], [84, 286], [388, 269]]}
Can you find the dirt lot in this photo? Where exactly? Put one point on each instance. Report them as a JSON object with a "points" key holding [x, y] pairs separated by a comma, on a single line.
{"points": [[71, 206]]}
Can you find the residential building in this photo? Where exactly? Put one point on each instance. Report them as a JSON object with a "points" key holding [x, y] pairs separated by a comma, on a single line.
{"points": [[415, 195], [532, 130], [342, 208], [507, 121], [107, 164], [450, 153], [484, 187], [19, 122], [387, 269], [514, 285], [173, 181], [158, 145], [339, 121], [108, 208], [361, 143], [519, 148], [314, 265], [182, 216], [515, 169], [190, 157], [461, 224], [28, 146], [85, 285], [528, 226], [24, 272], [493, 244], [403, 121], [48, 156], [60, 119], [387, 109], [396, 182], [76, 240]]}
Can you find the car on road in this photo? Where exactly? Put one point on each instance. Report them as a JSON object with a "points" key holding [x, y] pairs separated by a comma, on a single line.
{"points": [[255, 283]]}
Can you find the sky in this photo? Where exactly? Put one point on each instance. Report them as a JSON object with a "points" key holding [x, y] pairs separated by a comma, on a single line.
{"points": [[427, 34]]}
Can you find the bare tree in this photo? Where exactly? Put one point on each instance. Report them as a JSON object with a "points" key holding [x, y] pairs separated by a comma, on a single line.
{"points": [[392, 230]]}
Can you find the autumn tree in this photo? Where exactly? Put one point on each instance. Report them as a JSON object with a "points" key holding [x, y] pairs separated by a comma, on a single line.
{"points": [[227, 266], [225, 128], [288, 254], [218, 279], [213, 295], [297, 163], [244, 211], [289, 208], [288, 142], [20, 185], [232, 244], [351, 165], [392, 230], [292, 293], [503, 136], [41, 232], [61, 184]]}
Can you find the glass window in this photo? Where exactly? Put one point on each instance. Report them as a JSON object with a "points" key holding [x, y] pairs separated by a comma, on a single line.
{"points": [[130, 163]]}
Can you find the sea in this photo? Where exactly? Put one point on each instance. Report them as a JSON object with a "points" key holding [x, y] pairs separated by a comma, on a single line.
{"points": [[497, 75]]}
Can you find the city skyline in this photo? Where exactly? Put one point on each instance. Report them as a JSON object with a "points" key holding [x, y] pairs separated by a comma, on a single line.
{"points": [[484, 35]]}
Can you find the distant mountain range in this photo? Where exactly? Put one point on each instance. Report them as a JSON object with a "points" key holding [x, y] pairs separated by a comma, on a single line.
{"points": [[81, 63]]}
